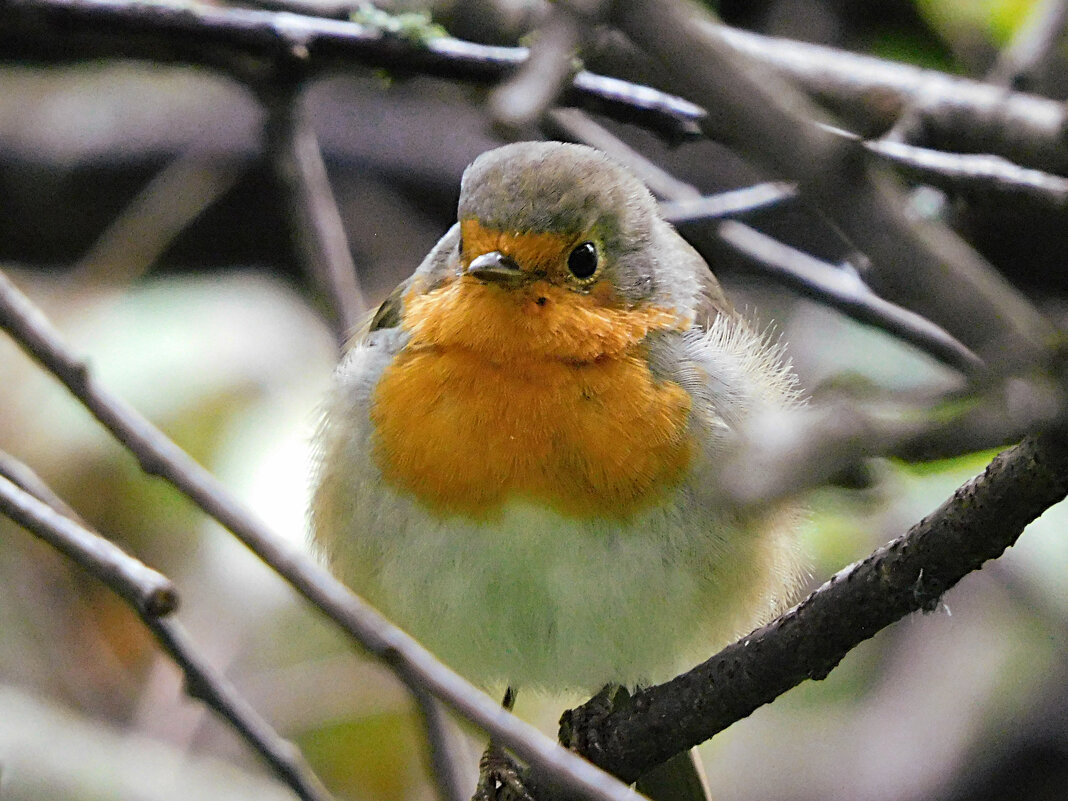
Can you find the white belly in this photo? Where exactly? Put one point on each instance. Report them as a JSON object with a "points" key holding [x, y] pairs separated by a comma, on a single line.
{"points": [[534, 599]]}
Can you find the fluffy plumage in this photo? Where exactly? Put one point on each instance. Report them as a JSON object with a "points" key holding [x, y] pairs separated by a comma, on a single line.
{"points": [[521, 471]]}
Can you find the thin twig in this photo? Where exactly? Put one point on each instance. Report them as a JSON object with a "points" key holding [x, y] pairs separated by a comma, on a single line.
{"points": [[958, 114], [974, 175], [844, 290], [412, 663], [293, 150], [139, 235], [149, 592], [152, 596], [732, 203], [981, 520], [215, 690]]}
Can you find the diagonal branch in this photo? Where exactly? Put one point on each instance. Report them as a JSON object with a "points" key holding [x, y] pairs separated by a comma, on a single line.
{"points": [[149, 592], [981, 520], [958, 114], [32, 504], [838, 287], [766, 119]]}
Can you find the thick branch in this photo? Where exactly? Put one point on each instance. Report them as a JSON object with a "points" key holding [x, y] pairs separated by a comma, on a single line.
{"points": [[957, 114], [255, 46], [981, 520]]}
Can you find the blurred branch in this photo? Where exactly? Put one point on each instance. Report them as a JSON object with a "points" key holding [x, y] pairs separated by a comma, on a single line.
{"points": [[981, 520], [838, 287], [1026, 58], [446, 763], [142, 232], [413, 664], [784, 454], [317, 227], [958, 114], [974, 175], [152, 596], [768, 120], [523, 99]]}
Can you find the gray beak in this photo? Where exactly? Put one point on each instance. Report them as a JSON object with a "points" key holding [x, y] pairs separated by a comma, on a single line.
{"points": [[497, 268]]}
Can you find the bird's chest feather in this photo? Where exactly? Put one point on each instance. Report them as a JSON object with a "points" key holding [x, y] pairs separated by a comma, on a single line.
{"points": [[464, 434]]}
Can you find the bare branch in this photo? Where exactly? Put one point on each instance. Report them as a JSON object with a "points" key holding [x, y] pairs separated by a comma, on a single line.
{"points": [[149, 592], [767, 119], [837, 286], [847, 292], [293, 150], [152, 596], [974, 175], [733, 203], [981, 520], [412, 663], [255, 46], [215, 690], [958, 114]]}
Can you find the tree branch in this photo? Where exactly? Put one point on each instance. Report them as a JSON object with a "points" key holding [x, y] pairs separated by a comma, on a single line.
{"points": [[981, 520], [255, 46], [836, 286], [766, 119], [32, 504], [413, 664], [315, 221], [958, 114], [149, 592]]}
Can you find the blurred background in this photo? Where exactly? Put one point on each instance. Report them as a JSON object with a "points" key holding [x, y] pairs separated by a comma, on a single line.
{"points": [[140, 211]]}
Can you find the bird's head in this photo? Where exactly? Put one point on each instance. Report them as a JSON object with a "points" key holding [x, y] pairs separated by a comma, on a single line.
{"points": [[560, 254]]}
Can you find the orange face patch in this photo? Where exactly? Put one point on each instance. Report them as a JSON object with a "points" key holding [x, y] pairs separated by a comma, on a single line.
{"points": [[543, 253], [533, 391]]}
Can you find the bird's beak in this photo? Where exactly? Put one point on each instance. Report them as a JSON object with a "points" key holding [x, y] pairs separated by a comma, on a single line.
{"points": [[496, 268]]}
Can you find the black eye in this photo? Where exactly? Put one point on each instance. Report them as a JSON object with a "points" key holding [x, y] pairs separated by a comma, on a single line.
{"points": [[460, 246], [583, 260]]}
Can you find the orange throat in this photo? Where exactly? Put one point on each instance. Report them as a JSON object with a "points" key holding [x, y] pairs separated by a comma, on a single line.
{"points": [[539, 393]]}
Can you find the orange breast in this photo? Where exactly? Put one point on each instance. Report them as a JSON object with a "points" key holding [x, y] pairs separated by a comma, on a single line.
{"points": [[467, 425]]}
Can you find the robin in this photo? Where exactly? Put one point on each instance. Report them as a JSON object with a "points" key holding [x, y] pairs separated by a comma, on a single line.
{"points": [[518, 457]]}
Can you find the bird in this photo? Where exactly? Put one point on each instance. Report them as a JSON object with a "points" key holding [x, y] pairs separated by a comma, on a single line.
{"points": [[517, 459]]}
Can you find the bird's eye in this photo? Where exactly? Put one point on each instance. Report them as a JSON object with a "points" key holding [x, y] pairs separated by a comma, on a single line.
{"points": [[583, 261], [460, 246]]}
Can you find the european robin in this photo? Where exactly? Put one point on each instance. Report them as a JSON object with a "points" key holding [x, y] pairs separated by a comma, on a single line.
{"points": [[518, 456]]}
